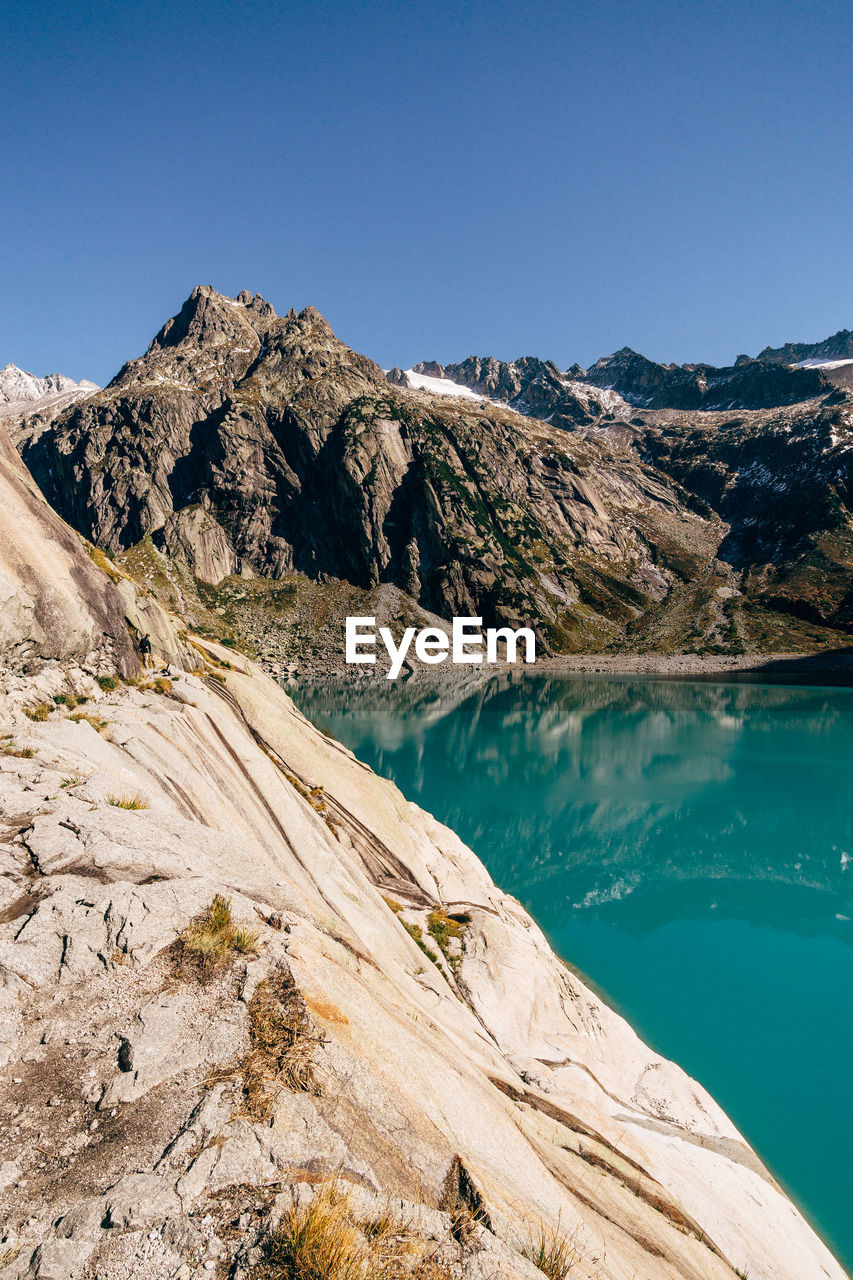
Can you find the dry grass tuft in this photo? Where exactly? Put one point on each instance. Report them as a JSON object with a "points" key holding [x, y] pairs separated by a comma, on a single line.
{"points": [[283, 1044], [22, 753], [555, 1253], [125, 802], [108, 683], [103, 561], [245, 941], [320, 1242], [212, 939], [446, 929], [160, 685], [41, 712], [102, 726], [325, 1240]]}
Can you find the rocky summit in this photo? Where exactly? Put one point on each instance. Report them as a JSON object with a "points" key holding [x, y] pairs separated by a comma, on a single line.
{"points": [[258, 1011]]}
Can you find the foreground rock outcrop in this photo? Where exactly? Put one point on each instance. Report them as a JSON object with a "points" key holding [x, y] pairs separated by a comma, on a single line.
{"points": [[55, 604], [244, 980], [131, 1137]]}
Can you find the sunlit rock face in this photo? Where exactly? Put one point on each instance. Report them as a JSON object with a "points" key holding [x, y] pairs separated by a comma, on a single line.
{"points": [[484, 1065], [55, 605]]}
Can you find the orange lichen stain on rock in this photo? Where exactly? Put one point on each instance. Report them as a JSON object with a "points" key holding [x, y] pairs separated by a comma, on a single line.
{"points": [[324, 1009]]}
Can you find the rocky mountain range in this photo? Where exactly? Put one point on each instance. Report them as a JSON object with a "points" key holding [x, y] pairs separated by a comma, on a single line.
{"points": [[262, 1017], [538, 387], [631, 507], [764, 445], [244, 441]]}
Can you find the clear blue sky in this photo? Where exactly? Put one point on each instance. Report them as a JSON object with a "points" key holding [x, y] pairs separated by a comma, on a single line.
{"points": [[440, 179]]}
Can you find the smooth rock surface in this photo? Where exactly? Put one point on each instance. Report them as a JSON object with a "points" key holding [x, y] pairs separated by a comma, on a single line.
{"points": [[553, 1107]]}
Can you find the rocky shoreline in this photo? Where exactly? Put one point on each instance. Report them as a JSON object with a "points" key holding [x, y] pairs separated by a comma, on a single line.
{"points": [[828, 667], [837, 663]]}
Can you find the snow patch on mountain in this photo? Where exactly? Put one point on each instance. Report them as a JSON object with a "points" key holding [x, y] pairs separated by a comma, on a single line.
{"points": [[447, 387], [438, 386], [17, 386], [821, 364], [607, 400]]}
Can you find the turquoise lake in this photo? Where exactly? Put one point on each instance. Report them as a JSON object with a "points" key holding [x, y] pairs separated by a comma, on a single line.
{"points": [[689, 848]]}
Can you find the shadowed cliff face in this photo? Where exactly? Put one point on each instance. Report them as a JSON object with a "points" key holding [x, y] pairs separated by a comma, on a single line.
{"points": [[243, 440], [783, 482]]}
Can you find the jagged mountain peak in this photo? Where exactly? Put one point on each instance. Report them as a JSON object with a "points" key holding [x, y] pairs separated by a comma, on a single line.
{"points": [[624, 358], [748, 384], [215, 342], [624, 353], [529, 386], [209, 317]]}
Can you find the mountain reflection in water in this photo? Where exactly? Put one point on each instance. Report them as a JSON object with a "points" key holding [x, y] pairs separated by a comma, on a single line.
{"points": [[688, 847], [584, 793]]}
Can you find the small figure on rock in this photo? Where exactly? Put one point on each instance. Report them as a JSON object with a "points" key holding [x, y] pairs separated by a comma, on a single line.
{"points": [[145, 650]]}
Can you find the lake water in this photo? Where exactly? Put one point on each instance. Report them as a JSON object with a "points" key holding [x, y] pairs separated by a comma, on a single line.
{"points": [[688, 847]]}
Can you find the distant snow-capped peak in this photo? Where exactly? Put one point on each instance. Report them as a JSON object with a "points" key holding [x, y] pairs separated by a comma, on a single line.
{"points": [[18, 387]]}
